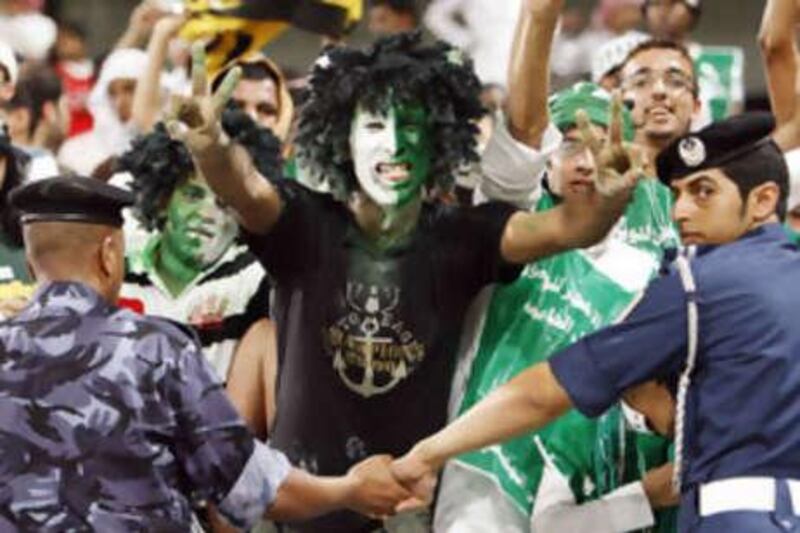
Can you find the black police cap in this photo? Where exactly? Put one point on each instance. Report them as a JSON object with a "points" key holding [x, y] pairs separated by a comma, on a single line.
{"points": [[715, 145], [71, 199]]}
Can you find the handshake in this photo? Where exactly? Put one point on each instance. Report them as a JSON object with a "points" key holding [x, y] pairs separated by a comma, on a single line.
{"points": [[381, 486]]}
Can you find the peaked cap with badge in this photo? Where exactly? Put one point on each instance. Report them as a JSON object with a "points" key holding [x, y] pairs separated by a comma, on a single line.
{"points": [[71, 199], [721, 144]]}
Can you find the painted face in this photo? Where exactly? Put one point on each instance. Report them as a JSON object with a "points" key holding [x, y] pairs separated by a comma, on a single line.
{"points": [[708, 208], [391, 153], [659, 82], [572, 166], [198, 230]]}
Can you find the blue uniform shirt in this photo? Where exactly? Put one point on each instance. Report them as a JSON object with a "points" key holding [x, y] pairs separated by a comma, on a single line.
{"points": [[743, 408], [111, 421]]}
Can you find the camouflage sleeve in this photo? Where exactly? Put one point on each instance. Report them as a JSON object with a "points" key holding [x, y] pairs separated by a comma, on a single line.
{"points": [[224, 464]]}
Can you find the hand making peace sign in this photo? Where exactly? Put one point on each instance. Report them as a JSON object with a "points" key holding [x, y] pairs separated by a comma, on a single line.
{"points": [[619, 165], [196, 120]]}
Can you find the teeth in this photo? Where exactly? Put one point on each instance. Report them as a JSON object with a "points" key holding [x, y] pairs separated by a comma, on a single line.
{"points": [[390, 167]]}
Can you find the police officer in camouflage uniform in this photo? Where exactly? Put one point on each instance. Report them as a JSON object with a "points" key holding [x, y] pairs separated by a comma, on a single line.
{"points": [[112, 421]]}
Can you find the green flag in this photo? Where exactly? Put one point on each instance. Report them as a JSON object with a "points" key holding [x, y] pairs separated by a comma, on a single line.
{"points": [[720, 76]]}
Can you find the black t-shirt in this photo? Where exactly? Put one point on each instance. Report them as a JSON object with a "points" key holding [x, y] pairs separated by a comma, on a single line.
{"points": [[367, 339]]}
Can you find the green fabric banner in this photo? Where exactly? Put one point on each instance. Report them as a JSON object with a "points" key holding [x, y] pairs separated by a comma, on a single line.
{"points": [[720, 76], [554, 303]]}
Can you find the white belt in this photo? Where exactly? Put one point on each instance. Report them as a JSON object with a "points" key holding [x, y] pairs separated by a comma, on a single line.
{"points": [[744, 494]]}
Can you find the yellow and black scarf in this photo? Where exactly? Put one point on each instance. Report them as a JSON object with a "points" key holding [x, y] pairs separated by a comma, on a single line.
{"points": [[239, 27]]}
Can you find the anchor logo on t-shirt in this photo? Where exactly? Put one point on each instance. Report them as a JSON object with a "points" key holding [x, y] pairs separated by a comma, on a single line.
{"points": [[372, 349]]}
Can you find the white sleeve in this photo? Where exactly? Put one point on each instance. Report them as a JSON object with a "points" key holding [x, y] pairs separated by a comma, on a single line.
{"points": [[556, 509], [793, 162], [512, 171], [257, 486], [440, 19], [623, 509]]}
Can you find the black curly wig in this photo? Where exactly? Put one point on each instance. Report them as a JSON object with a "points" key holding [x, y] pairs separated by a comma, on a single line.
{"points": [[437, 76], [160, 164]]}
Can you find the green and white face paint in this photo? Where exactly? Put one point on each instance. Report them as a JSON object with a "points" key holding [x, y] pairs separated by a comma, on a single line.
{"points": [[391, 152], [198, 230]]}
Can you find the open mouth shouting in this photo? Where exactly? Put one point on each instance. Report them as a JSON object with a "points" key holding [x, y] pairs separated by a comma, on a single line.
{"points": [[393, 172]]}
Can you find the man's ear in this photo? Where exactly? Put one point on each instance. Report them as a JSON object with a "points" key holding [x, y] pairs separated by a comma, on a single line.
{"points": [[29, 267], [763, 201], [109, 256]]}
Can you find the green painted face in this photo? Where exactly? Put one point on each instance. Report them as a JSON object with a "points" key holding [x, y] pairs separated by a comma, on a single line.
{"points": [[198, 231], [392, 152]]}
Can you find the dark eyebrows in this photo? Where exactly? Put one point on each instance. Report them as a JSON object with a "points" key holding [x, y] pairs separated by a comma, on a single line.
{"points": [[690, 182], [676, 70], [641, 70], [702, 179]]}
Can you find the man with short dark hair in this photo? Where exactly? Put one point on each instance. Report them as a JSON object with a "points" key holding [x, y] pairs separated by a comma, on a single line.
{"points": [[262, 93], [659, 85], [720, 69], [38, 120]]}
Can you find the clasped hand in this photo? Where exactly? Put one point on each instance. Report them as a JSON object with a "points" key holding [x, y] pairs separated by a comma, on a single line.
{"points": [[382, 487]]}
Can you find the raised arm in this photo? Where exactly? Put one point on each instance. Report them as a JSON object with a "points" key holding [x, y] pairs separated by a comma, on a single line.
{"points": [[779, 51], [515, 159], [529, 70], [226, 166], [147, 102], [140, 23]]}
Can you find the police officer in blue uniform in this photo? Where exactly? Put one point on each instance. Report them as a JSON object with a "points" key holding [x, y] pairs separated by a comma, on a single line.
{"points": [[724, 321], [113, 421]]}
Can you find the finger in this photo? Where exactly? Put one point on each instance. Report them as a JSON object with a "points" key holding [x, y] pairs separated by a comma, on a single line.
{"points": [[398, 492], [199, 77], [587, 134], [615, 122], [226, 88], [174, 106], [177, 130], [638, 161], [411, 504]]}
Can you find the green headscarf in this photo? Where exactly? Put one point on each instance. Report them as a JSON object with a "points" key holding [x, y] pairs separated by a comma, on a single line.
{"points": [[593, 99]]}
